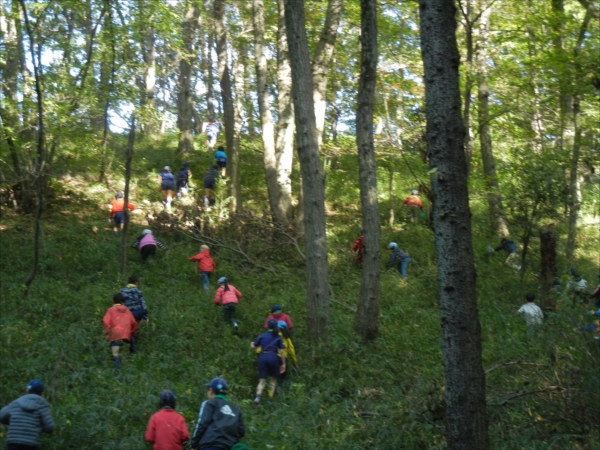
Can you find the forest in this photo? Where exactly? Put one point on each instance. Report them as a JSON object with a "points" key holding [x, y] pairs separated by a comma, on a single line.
{"points": [[332, 114]]}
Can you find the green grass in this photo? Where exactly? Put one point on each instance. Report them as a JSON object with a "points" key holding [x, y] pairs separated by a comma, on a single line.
{"points": [[347, 394]]}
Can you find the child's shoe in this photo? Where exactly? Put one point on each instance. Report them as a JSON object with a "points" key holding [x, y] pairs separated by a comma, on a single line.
{"points": [[117, 362], [256, 400]]}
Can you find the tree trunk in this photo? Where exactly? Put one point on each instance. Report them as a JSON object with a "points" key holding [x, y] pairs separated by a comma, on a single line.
{"points": [[228, 109], [206, 47], [184, 83], [284, 144], [468, 18], [150, 125], [367, 316], [128, 158], [466, 421], [307, 141], [238, 79], [322, 60], [40, 179], [266, 119], [548, 272], [497, 219]]}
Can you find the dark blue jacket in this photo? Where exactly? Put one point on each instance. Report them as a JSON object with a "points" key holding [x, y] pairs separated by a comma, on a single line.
{"points": [[397, 256], [508, 246]]}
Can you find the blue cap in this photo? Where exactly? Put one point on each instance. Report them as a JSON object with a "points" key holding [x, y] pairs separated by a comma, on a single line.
{"points": [[282, 324], [219, 385], [275, 309], [572, 272], [392, 245], [272, 323], [167, 398], [221, 280], [35, 386]]}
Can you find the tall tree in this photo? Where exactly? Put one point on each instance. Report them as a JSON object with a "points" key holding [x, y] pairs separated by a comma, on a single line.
{"points": [[228, 107], [206, 46], [284, 145], [322, 61], [313, 185], [466, 421], [184, 85], [367, 316], [496, 210]]}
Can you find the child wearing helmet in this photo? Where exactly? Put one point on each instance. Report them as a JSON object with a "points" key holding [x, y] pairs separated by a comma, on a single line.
{"points": [[206, 265], [220, 424], [116, 212], [167, 185], [414, 204], [147, 244], [210, 179], [228, 297], [119, 326], [212, 131], [221, 159], [271, 362], [513, 253], [183, 177], [289, 352], [398, 258], [167, 428]]}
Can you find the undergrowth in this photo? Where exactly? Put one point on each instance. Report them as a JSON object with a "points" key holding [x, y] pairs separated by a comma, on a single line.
{"points": [[347, 394]]}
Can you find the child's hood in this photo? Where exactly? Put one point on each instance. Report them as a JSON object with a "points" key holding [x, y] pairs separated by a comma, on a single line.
{"points": [[32, 402]]}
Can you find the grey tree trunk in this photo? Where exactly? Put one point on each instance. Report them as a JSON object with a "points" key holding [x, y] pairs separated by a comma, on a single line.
{"points": [[468, 25], [466, 420], [206, 64], [238, 81], [284, 144], [184, 84], [264, 109], [313, 186], [548, 270], [128, 159], [367, 315], [322, 60], [228, 108], [150, 125], [497, 219]]}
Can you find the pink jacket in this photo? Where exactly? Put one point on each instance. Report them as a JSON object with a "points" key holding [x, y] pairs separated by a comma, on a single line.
{"points": [[223, 297], [148, 239]]}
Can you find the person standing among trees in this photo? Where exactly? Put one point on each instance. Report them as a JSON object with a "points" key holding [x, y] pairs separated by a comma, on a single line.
{"points": [[532, 314], [167, 429], [210, 179], [116, 212], [359, 246], [221, 160], [167, 185], [206, 265], [220, 425], [119, 326], [27, 417], [399, 258], [183, 177], [414, 204], [513, 253], [227, 296], [212, 131], [147, 244], [271, 362]]}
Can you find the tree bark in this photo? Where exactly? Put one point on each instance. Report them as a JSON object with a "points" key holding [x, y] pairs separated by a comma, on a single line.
{"points": [[128, 159], [466, 421], [228, 109], [468, 18], [184, 84], [548, 270], [322, 60], [150, 125], [239, 76], [264, 109], [40, 180], [307, 141], [497, 219], [284, 144], [206, 45], [367, 315]]}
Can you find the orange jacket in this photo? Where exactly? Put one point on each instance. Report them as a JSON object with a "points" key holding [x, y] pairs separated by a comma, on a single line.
{"points": [[413, 200], [118, 205], [205, 262], [119, 323], [223, 297]]}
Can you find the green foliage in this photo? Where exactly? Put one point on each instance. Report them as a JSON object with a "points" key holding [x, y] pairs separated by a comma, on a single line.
{"points": [[347, 394]]}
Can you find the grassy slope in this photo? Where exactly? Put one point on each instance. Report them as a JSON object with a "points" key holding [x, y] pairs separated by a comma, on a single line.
{"points": [[348, 394]]}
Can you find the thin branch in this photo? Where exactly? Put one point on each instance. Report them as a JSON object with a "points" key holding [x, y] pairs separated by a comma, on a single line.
{"points": [[512, 363], [539, 391]]}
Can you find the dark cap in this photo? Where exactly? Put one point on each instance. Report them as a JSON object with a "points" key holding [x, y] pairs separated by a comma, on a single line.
{"points": [[271, 324], [275, 309], [219, 385], [35, 386]]}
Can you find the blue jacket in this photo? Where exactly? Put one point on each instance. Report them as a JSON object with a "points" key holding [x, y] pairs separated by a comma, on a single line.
{"points": [[508, 246], [220, 156], [397, 256], [27, 417], [134, 300]]}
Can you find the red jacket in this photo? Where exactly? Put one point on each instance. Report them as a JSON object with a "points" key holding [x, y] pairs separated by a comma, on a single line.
{"points": [[205, 262], [223, 297], [119, 323], [118, 205], [278, 317], [360, 246], [413, 200], [167, 430]]}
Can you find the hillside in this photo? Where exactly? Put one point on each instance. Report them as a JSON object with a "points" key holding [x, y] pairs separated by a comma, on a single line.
{"points": [[347, 394]]}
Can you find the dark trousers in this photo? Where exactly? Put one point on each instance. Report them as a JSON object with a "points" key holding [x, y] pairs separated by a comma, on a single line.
{"points": [[228, 313], [147, 250], [20, 447]]}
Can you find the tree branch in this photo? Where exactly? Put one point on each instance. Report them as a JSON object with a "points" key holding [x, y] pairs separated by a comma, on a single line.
{"points": [[512, 363], [539, 391]]}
